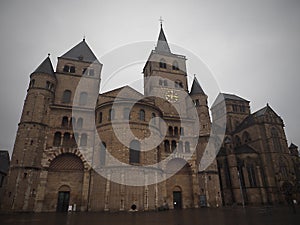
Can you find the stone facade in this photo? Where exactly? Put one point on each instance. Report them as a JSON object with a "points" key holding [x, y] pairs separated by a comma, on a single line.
{"points": [[76, 147], [255, 164]]}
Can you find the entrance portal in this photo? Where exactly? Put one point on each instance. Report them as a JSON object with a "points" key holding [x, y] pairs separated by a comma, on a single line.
{"points": [[177, 200], [63, 201]]}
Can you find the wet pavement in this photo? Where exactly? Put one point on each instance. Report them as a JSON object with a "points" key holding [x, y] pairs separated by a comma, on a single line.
{"points": [[205, 216]]}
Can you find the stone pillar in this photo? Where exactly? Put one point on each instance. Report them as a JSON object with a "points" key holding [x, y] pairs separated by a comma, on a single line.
{"points": [[195, 189], [107, 192], [156, 191], [261, 186], [146, 192], [122, 190], [85, 190]]}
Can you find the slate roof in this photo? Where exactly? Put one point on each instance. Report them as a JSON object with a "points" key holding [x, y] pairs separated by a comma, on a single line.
{"points": [[4, 161], [293, 146], [196, 87], [162, 43], [223, 96], [81, 52], [45, 67], [264, 111]]}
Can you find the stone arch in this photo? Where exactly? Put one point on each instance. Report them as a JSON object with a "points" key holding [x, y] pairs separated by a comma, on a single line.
{"points": [[61, 151], [64, 188], [177, 188], [59, 191], [66, 161]]}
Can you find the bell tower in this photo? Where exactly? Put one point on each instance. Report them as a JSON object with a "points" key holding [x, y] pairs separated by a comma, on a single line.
{"points": [[167, 69]]}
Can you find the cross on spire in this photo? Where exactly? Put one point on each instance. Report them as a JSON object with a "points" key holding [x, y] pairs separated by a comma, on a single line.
{"points": [[161, 21]]}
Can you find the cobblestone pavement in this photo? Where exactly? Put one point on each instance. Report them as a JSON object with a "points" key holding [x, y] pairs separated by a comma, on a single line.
{"points": [[205, 216]]}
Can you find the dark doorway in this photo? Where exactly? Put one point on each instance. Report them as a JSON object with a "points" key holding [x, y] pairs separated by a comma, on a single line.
{"points": [[63, 201], [177, 200]]}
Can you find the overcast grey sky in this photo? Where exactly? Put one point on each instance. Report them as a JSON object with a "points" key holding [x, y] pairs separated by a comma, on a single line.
{"points": [[252, 47]]}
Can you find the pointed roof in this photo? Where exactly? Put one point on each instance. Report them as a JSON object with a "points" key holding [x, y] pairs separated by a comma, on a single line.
{"points": [[45, 67], [162, 43], [196, 87], [292, 146], [264, 111], [81, 52]]}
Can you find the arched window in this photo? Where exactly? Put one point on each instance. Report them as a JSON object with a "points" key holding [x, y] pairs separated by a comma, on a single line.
{"points": [[176, 131], [167, 146], [66, 139], [173, 146], [48, 85], [251, 175], [79, 123], [111, 114], [165, 83], [57, 139], [180, 146], [153, 118], [83, 98], [102, 153], [283, 169], [69, 69], [134, 152], [187, 147], [170, 130], [126, 114], [162, 64], [181, 131], [142, 115], [175, 65], [276, 139], [31, 84], [238, 141], [72, 122], [83, 139], [65, 122], [100, 117], [66, 68], [66, 96], [160, 82], [246, 137]]}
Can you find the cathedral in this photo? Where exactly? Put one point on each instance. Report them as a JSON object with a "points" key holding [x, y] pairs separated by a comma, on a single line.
{"points": [[122, 150]]}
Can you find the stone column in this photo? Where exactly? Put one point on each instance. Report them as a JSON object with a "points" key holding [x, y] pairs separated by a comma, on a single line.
{"points": [[85, 190], [261, 186], [146, 191], [107, 192]]}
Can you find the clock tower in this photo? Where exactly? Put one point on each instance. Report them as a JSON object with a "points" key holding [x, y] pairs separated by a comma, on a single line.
{"points": [[165, 72]]}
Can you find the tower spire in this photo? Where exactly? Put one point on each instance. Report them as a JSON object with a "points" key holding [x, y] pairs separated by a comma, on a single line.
{"points": [[162, 44]]}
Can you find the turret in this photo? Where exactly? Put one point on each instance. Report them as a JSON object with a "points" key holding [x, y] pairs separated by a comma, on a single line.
{"points": [[30, 140], [200, 101]]}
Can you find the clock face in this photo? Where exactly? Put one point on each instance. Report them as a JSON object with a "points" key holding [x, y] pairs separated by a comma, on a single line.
{"points": [[171, 96]]}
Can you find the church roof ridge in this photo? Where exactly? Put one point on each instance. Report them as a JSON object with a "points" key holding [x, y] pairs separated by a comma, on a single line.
{"points": [[82, 52]]}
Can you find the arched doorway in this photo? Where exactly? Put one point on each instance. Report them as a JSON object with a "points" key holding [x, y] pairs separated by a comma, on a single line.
{"points": [[63, 199], [179, 185], [64, 183], [177, 198]]}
